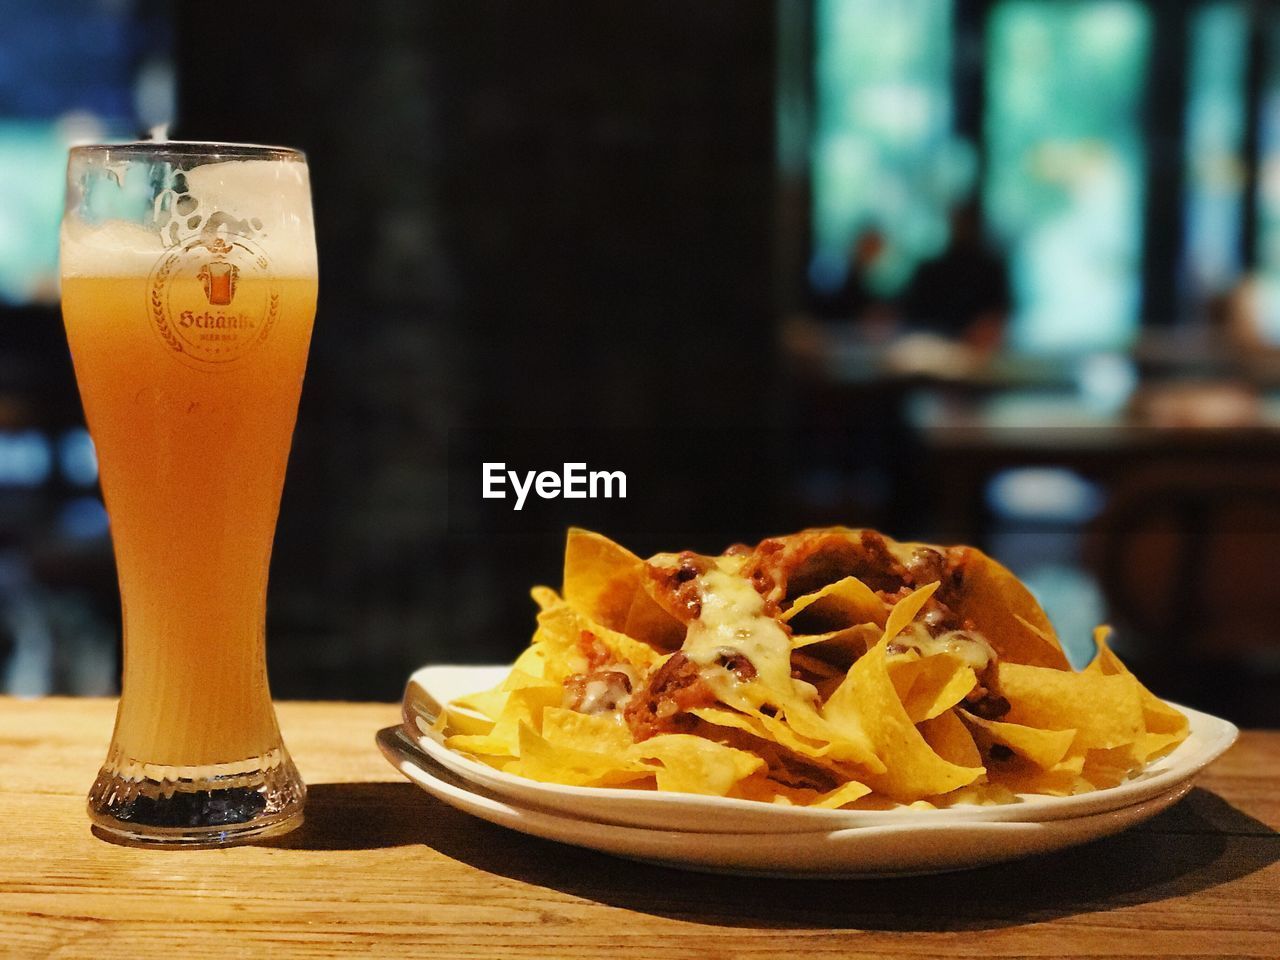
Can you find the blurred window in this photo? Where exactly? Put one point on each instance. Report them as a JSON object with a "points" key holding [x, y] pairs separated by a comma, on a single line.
{"points": [[26, 458], [1063, 189], [884, 154], [1268, 202], [70, 70], [1213, 151]]}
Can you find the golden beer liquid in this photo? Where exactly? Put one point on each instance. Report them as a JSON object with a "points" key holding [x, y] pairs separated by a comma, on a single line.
{"points": [[192, 463]]}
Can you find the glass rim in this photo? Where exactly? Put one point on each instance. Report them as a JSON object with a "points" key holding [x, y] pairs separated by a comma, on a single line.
{"points": [[195, 149]]}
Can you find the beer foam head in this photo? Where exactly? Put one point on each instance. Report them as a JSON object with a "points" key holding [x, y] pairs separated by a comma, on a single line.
{"points": [[124, 233]]}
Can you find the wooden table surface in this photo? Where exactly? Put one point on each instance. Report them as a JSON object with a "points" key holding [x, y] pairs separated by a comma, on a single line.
{"points": [[383, 869]]}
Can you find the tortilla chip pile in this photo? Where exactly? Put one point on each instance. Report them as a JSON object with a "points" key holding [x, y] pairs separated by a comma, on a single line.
{"points": [[831, 668]]}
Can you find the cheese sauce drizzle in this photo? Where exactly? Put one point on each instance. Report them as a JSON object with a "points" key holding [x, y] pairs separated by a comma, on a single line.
{"points": [[733, 620], [967, 645]]}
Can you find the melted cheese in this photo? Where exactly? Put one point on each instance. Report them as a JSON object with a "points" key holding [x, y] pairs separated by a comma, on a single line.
{"points": [[603, 696], [733, 620], [968, 645]]}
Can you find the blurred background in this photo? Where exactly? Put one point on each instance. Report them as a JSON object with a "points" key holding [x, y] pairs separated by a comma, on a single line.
{"points": [[993, 271]]}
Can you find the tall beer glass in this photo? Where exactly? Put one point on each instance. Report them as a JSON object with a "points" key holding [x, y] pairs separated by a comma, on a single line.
{"points": [[188, 293]]}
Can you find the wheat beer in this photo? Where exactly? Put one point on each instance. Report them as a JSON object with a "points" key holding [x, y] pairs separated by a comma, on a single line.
{"points": [[188, 293]]}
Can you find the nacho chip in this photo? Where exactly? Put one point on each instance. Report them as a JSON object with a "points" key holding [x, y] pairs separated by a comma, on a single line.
{"points": [[691, 764], [810, 737], [766, 790], [533, 663], [847, 742], [1044, 748], [1106, 711], [544, 597], [523, 707], [601, 578], [1005, 612], [1019, 775], [1166, 726], [927, 686], [461, 722], [549, 762], [845, 603], [950, 739], [491, 703], [838, 647], [758, 725], [595, 733], [607, 583], [1110, 767], [828, 718], [868, 701], [488, 703], [905, 610], [560, 630], [841, 796], [648, 622]]}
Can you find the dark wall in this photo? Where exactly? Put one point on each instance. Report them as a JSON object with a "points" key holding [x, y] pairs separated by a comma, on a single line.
{"points": [[546, 234]]}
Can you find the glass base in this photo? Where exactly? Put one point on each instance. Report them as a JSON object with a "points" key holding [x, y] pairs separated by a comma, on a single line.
{"points": [[207, 806]]}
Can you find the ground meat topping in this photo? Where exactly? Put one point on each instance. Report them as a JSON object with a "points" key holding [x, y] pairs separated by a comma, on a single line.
{"points": [[939, 618], [762, 569], [662, 706], [926, 565], [603, 691], [677, 586], [982, 703], [736, 663], [783, 569]]}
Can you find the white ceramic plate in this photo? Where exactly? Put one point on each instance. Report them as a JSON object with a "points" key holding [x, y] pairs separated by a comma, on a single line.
{"points": [[432, 686], [892, 849]]}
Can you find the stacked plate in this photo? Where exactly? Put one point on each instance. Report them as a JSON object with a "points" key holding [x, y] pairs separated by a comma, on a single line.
{"points": [[746, 837]]}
